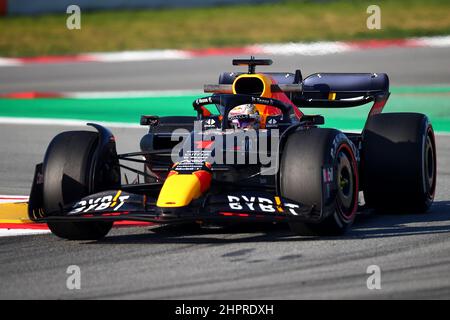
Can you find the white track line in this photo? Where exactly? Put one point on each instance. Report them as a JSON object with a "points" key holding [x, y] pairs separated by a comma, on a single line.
{"points": [[21, 232], [131, 94], [298, 48], [13, 199], [437, 42], [63, 122], [147, 55], [8, 196], [6, 232], [10, 62], [306, 49]]}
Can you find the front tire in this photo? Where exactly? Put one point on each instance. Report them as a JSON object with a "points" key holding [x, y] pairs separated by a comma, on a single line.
{"points": [[306, 155], [66, 168]]}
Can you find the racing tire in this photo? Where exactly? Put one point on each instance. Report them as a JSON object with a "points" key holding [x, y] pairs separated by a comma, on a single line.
{"points": [[398, 162], [306, 155], [66, 169]]}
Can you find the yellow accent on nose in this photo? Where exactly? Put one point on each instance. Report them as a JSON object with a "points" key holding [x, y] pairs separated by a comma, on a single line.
{"points": [[179, 190], [332, 96]]}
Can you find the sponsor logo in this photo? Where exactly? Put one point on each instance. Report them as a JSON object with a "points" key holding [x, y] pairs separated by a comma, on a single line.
{"points": [[260, 100], [209, 123], [203, 100], [108, 202], [262, 204], [272, 122], [327, 175], [39, 178]]}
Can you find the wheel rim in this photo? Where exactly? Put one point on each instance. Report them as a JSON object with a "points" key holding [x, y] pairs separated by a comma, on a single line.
{"points": [[345, 181], [429, 165], [346, 185]]}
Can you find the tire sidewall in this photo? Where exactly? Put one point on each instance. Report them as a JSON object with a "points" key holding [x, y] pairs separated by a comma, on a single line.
{"points": [[339, 144], [321, 148]]}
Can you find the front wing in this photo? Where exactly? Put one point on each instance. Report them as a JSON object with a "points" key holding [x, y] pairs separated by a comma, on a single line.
{"points": [[118, 205]]}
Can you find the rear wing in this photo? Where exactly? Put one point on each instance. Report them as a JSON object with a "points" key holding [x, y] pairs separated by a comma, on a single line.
{"points": [[343, 90], [322, 90]]}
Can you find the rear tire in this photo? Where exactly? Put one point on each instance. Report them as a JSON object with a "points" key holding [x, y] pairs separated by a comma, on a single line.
{"points": [[304, 158], [66, 168], [398, 162]]}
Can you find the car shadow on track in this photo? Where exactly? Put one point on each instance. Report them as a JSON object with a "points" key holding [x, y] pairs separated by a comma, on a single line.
{"points": [[435, 221], [245, 233], [366, 226]]}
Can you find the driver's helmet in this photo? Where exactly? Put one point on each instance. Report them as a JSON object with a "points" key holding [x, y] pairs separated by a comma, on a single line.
{"points": [[244, 116]]}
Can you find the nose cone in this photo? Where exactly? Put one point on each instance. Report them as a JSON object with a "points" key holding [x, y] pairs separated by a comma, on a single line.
{"points": [[180, 189]]}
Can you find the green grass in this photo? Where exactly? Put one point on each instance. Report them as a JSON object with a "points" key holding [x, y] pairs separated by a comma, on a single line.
{"points": [[220, 26], [432, 101]]}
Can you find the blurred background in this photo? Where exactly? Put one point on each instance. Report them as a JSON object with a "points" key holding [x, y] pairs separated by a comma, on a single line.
{"points": [[38, 27], [113, 60]]}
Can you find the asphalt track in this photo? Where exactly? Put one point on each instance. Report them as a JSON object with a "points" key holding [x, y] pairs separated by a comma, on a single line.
{"points": [[405, 66], [161, 262]]}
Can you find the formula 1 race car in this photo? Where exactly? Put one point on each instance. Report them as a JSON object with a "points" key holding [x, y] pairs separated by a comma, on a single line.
{"points": [[250, 154]]}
